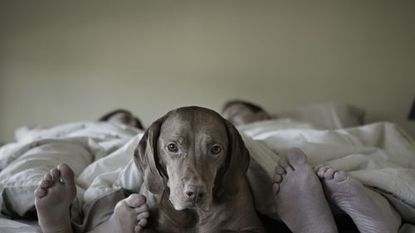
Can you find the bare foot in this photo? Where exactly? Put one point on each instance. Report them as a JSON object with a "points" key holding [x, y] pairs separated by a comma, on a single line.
{"points": [[53, 198], [299, 196], [130, 216], [369, 210]]}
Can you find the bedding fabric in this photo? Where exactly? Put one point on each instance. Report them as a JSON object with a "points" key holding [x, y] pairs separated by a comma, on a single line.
{"points": [[379, 155], [13, 226], [23, 163], [327, 115]]}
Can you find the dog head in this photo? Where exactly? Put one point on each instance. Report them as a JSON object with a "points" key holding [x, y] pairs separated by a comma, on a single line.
{"points": [[193, 154]]}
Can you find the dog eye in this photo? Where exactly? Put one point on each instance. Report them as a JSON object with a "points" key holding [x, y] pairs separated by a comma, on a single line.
{"points": [[172, 147], [215, 149]]}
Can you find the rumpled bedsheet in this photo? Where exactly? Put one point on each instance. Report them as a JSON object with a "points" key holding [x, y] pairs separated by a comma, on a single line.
{"points": [[24, 162], [380, 155]]}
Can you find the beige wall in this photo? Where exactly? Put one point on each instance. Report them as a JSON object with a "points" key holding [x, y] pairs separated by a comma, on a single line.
{"points": [[66, 61]]}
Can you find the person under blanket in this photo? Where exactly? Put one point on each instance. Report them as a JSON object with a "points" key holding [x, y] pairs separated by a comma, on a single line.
{"points": [[241, 112], [122, 116], [301, 193], [118, 117]]}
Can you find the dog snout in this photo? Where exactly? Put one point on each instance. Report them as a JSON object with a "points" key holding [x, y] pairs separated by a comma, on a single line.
{"points": [[194, 192]]}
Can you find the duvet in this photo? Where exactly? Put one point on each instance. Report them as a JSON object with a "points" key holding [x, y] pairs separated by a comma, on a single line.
{"points": [[380, 155]]}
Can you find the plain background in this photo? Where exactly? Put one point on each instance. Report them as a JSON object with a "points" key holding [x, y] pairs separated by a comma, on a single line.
{"points": [[63, 61]]}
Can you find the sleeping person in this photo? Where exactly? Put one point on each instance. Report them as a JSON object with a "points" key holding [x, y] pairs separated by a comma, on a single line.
{"points": [[241, 112], [111, 125], [325, 115], [122, 116], [24, 162], [370, 211]]}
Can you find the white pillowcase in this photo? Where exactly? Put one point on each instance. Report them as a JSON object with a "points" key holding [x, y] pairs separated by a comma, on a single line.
{"points": [[327, 115]]}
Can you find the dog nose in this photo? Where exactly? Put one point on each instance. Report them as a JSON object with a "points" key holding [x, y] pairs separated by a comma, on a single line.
{"points": [[194, 193]]}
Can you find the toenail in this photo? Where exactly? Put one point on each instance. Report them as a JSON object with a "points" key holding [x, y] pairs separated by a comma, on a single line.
{"points": [[275, 188], [142, 222], [282, 163], [138, 202], [44, 184], [279, 170]]}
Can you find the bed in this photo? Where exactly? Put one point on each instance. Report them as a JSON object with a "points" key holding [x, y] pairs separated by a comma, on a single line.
{"points": [[380, 155]]}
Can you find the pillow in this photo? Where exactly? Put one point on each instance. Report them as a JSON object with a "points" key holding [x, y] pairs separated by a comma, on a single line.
{"points": [[327, 115]]}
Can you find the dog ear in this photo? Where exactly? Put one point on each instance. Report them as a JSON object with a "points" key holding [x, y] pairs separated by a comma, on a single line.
{"points": [[237, 161], [147, 159]]}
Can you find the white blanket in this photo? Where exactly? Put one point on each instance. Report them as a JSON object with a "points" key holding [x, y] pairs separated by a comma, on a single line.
{"points": [[23, 163], [379, 155]]}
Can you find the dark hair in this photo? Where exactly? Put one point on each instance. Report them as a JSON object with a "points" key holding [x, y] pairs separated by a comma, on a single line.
{"points": [[253, 107], [137, 122]]}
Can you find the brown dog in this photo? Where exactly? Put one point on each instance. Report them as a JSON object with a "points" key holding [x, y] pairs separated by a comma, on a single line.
{"points": [[194, 165]]}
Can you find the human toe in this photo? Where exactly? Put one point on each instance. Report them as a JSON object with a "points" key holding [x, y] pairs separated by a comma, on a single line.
{"points": [[275, 188], [143, 222], [329, 174], [40, 192], [340, 176], [55, 174], [66, 172], [135, 200], [283, 163], [295, 156], [45, 184], [48, 177], [280, 169], [322, 172], [141, 208], [143, 215], [277, 178]]}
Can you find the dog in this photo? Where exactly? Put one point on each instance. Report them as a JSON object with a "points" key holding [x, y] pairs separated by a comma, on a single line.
{"points": [[194, 164]]}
